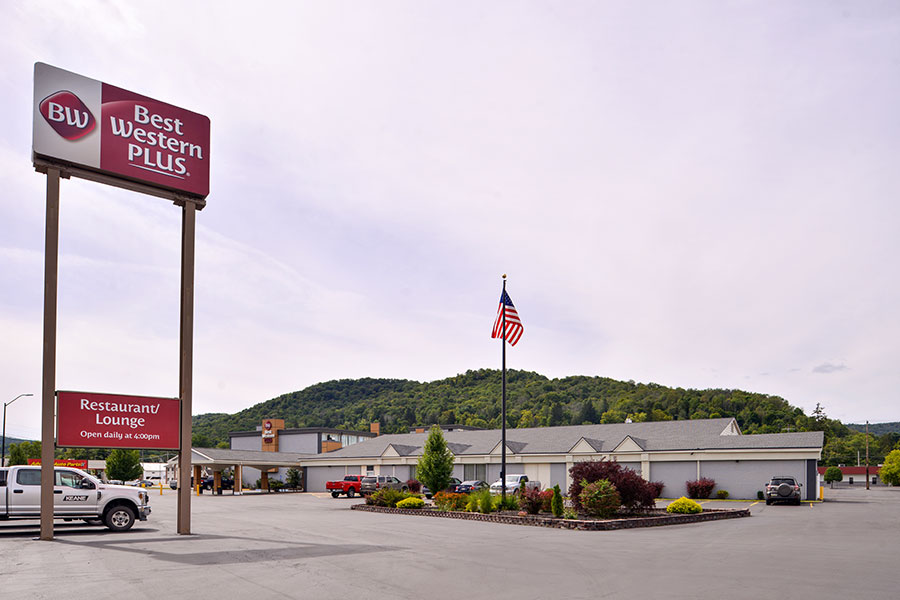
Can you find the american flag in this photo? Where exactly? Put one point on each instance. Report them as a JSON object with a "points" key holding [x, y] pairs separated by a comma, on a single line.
{"points": [[513, 324]]}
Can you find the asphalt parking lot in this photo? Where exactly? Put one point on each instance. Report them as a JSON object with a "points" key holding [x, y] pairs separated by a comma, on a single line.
{"points": [[313, 546]]}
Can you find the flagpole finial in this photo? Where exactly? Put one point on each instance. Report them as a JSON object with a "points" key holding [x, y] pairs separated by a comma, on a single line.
{"points": [[504, 276]]}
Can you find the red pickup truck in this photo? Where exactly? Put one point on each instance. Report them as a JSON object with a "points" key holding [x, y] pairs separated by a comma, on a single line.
{"points": [[348, 485]]}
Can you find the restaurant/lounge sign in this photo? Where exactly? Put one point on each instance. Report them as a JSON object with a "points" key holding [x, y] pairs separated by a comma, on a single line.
{"points": [[90, 420], [90, 124]]}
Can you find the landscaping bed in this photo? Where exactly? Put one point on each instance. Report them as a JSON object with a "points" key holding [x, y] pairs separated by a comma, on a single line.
{"points": [[652, 518]]}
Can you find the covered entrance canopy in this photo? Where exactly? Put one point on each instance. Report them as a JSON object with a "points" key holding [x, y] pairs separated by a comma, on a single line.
{"points": [[219, 459]]}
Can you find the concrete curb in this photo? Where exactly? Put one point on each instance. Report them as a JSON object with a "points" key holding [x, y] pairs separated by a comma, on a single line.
{"points": [[654, 518]]}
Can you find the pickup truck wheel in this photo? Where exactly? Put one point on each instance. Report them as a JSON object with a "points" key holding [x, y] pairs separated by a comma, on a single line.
{"points": [[351, 492], [120, 518], [335, 494]]}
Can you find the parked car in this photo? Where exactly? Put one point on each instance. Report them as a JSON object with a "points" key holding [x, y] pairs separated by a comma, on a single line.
{"points": [[209, 482], [173, 483], [450, 488], [783, 488], [467, 487], [350, 485], [144, 483], [513, 483], [372, 484]]}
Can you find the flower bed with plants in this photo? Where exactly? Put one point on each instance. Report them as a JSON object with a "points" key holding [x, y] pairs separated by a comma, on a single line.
{"points": [[604, 495]]}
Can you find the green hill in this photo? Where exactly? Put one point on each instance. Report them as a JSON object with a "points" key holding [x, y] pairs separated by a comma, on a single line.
{"points": [[877, 428], [533, 400]]}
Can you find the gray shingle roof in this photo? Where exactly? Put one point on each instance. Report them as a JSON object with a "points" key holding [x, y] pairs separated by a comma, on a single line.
{"points": [[705, 434]]}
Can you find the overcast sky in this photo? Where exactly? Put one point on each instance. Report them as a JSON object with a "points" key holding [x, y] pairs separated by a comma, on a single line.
{"points": [[696, 194]]}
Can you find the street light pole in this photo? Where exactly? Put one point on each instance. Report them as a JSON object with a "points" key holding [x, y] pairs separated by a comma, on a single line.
{"points": [[3, 451]]}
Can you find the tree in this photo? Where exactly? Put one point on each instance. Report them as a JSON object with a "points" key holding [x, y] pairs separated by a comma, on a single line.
{"points": [[588, 415], [21, 452], [199, 440], [833, 474], [293, 478], [890, 470], [436, 463], [124, 465]]}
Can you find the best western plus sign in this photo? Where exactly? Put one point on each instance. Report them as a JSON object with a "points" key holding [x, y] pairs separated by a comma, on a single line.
{"points": [[139, 138]]}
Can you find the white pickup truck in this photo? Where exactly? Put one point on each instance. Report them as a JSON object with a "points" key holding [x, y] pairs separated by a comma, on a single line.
{"points": [[513, 483], [76, 495]]}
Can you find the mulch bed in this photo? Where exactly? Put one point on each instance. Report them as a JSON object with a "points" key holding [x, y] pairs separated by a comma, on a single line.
{"points": [[653, 518]]}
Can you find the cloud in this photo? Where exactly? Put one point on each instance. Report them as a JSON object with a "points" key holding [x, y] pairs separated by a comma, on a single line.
{"points": [[827, 368]]}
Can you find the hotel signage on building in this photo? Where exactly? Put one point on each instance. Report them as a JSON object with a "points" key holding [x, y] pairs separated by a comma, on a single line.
{"points": [[103, 128], [92, 420]]}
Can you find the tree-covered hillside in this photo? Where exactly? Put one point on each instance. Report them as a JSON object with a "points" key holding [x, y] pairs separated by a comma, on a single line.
{"points": [[473, 398]]}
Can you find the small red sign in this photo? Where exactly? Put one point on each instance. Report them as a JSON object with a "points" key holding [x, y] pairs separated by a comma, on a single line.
{"points": [[89, 420]]}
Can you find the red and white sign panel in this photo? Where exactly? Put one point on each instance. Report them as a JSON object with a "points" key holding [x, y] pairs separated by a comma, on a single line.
{"points": [[95, 125], [89, 420]]}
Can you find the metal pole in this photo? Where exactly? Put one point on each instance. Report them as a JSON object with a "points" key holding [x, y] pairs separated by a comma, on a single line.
{"points": [[185, 366], [48, 390], [867, 455], [3, 450], [503, 402]]}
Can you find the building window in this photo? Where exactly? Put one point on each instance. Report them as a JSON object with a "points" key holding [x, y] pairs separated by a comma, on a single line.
{"points": [[370, 470], [474, 472]]}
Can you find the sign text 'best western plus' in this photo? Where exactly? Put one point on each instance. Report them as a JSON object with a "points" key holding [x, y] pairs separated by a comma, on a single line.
{"points": [[91, 124], [115, 421]]}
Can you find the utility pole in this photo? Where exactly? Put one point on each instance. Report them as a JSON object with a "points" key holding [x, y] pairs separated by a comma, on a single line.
{"points": [[867, 454]]}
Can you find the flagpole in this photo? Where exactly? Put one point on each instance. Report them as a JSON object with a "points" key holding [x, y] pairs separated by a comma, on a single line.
{"points": [[503, 402]]}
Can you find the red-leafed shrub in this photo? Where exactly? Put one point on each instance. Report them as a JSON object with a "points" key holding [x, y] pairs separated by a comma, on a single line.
{"points": [[701, 488], [414, 485], [546, 500], [531, 500], [634, 492], [657, 487]]}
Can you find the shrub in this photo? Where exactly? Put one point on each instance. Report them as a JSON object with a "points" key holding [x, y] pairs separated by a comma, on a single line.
{"points": [[634, 492], [760, 495], [486, 502], [510, 502], [450, 501], [387, 497], [472, 503], [275, 484], [546, 499], [531, 500], [657, 488], [411, 502], [556, 503], [721, 494], [599, 498], [684, 506], [414, 485], [700, 488]]}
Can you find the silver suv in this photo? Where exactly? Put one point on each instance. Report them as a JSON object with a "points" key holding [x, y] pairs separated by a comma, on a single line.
{"points": [[783, 488], [372, 484]]}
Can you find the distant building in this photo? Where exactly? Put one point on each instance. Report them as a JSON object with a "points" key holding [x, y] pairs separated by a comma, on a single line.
{"points": [[272, 436]]}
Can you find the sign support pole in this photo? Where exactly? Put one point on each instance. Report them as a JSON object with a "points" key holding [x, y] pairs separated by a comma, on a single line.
{"points": [[48, 391], [186, 361]]}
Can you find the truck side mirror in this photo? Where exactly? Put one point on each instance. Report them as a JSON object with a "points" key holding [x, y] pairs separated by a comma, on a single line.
{"points": [[87, 484]]}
